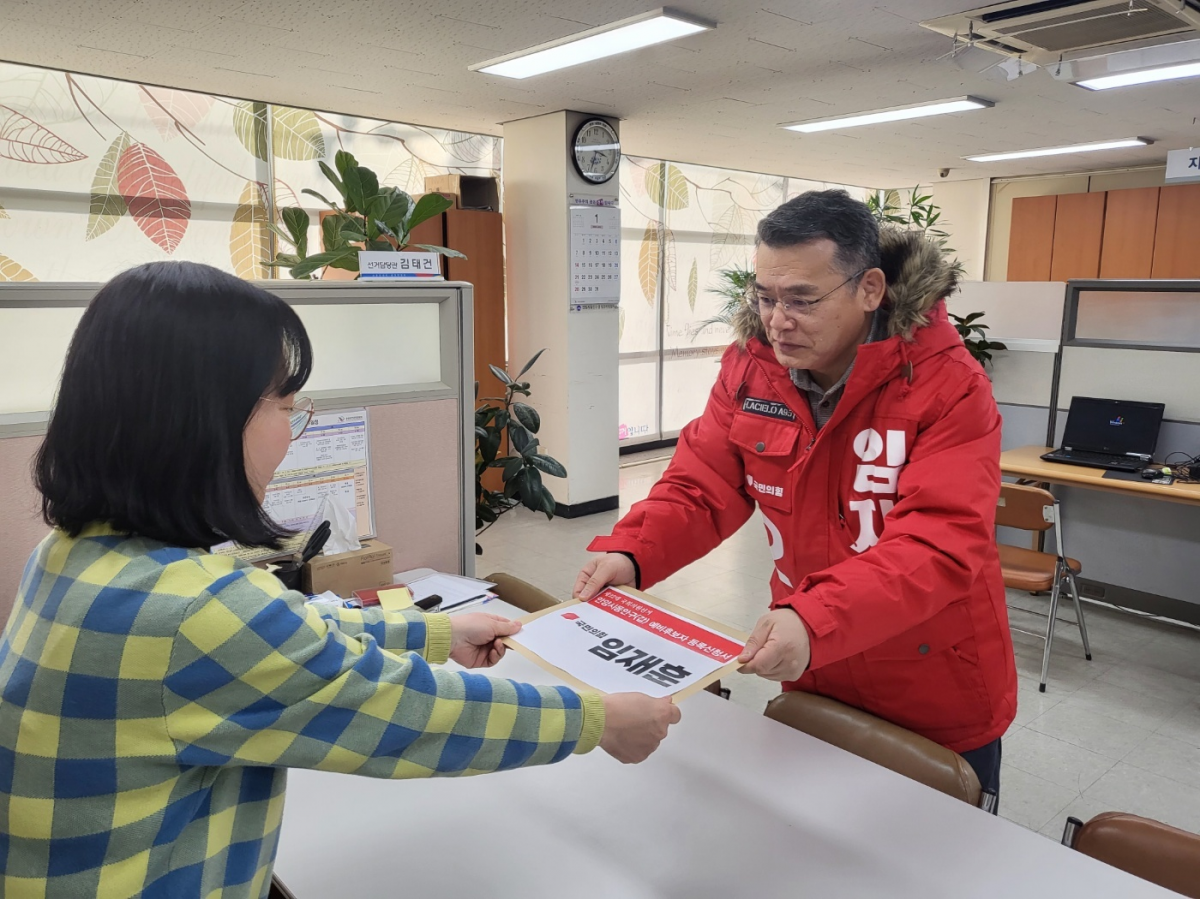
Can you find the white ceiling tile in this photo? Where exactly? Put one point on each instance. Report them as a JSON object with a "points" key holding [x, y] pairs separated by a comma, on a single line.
{"points": [[766, 63]]}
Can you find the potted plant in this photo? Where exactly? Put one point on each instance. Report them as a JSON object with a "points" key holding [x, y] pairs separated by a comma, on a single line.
{"points": [[973, 333], [370, 217], [523, 465], [735, 286]]}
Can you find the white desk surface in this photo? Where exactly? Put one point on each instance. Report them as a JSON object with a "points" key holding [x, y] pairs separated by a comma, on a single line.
{"points": [[732, 805]]}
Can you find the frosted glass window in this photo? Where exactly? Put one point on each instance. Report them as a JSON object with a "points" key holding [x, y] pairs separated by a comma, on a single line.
{"points": [[1157, 318], [638, 400], [33, 347], [372, 345]]}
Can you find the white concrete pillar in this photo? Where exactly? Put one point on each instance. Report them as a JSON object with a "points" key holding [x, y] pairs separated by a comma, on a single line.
{"points": [[574, 384]]}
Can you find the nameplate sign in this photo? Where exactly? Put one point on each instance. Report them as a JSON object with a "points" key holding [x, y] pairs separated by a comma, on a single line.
{"points": [[380, 264], [1183, 165]]}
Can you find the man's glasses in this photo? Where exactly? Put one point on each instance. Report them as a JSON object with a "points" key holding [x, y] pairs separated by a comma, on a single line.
{"points": [[300, 413], [765, 306]]}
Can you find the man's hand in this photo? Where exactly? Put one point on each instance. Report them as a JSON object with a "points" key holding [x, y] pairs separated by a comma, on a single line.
{"points": [[475, 638], [610, 569], [778, 648], [634, 725]]}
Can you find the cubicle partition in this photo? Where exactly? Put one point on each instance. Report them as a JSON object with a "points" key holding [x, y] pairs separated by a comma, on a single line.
{"points": [[401, 350], [1131, 340]]}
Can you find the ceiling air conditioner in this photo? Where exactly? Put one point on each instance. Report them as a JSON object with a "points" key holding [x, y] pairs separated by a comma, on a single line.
{"points": [[1045, 32]]}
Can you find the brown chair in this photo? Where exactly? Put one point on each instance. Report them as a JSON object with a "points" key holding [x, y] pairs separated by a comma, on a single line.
{"points": [[881, 742], [517, 592], [1145, 848], [1034, 509]]}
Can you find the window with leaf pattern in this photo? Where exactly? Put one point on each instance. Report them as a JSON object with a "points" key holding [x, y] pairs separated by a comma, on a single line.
{"points": [[98, 175]]}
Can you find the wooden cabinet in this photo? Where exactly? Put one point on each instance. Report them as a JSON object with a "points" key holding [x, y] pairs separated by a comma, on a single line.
{"points": [[1078, 230], [478, 234], [1176, 250], [1130, 219], [1120, 234], [1031, 238]]}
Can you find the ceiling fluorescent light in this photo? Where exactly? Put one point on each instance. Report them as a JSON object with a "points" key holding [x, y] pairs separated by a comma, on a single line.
{"points": [[894, 114], [1125, 79], [608, 40], [1057, 151]]}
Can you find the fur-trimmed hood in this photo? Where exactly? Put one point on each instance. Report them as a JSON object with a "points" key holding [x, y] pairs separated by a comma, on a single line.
{"points": [[917, 273]]}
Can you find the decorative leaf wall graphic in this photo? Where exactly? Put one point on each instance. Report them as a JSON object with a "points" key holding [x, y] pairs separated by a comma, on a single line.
{"points": [[107, 205], [285, 196], [187, 108], [667, 237], [620, 323], [11, 271], [3, 214], [466, 146], [249, 238], [666, 186], [38, 91], [23, 139], [732, 232], [409, 176], [296, 134], [648, 262], [692, 285], [250, 126], [156, 197]]}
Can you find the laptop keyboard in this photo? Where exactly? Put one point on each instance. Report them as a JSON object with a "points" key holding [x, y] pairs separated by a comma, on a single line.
{"points": [[1099, 460]]}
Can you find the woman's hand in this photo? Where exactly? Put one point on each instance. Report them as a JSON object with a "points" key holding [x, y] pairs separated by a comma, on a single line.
{"points": [[634, 725], [475, 638]]}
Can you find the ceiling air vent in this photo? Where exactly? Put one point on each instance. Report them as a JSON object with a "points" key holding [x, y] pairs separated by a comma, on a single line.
{"points": [[1045, 31]]}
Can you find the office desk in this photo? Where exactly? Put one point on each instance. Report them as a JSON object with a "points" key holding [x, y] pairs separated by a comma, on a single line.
{"points": [[732, 805], [1025, 462]]}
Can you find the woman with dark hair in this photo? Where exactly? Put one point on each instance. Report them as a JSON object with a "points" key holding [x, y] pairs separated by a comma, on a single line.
{"points": [[151, 693]]}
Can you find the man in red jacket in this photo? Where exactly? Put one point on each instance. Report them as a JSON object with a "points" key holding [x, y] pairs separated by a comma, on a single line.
{"points": [[850, 412]]}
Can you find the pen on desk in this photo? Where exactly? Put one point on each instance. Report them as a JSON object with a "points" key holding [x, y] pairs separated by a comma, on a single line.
{"points": [[485, 597]]}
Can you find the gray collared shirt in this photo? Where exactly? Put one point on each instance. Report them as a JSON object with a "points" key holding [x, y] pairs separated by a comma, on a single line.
{"points": [[824, 402]]}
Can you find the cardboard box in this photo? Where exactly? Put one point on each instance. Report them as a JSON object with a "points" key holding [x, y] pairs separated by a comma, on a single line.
{"points": [[468, 191], [343, 573]]}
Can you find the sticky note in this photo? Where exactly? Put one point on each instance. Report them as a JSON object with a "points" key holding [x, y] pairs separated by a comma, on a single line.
{"points": [[396, 599]]}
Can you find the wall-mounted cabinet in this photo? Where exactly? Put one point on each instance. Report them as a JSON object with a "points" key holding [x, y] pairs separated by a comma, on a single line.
{"points": [[1176, 254], [1141, 233], [1078, 231], [1130, 220], [1032, 240]]}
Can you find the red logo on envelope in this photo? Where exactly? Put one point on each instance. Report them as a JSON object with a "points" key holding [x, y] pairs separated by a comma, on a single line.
{"points": [[570, 616]]}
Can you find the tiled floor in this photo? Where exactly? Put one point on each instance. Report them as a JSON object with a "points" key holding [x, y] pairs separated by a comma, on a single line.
{"points": [[1121, 732]]}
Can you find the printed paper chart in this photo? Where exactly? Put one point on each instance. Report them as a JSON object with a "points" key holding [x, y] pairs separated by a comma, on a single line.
{"points": [[621, 641]]}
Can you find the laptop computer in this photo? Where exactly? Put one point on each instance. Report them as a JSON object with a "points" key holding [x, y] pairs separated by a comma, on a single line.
{"points": [[1114, 434]]}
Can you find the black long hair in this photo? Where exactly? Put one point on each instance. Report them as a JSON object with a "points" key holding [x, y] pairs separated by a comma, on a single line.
{"points": [[163, 372]]}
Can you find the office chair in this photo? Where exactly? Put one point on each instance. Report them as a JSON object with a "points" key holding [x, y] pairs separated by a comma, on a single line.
{"points": [[1151, 850], [883, 743], [1034, 509]]}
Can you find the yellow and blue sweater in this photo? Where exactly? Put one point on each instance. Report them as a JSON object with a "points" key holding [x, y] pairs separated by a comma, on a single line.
{"points": [[151, 698]]}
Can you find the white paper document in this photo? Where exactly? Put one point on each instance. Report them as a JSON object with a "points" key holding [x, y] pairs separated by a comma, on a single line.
{"points": [[618, 643], [454, 589]]}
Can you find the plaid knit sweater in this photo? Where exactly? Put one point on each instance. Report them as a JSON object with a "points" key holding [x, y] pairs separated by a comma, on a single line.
{"points": [[152, 697]]}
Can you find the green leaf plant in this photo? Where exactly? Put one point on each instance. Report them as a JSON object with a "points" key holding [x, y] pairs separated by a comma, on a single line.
{"points": [[523, 465], [369, 217]]}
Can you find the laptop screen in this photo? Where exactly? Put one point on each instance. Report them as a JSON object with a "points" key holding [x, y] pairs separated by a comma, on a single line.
{"points": [[1112, 426]]}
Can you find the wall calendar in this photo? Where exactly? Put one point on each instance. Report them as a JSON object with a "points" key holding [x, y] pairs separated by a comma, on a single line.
{"points": [[595, 255]]}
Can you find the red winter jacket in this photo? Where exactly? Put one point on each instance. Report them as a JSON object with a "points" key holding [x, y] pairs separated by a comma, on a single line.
{"points": [[881, 524]]}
